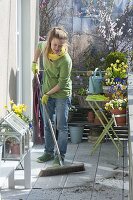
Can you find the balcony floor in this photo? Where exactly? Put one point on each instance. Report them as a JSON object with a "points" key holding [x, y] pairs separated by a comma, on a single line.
{"points": [[105, 178]]}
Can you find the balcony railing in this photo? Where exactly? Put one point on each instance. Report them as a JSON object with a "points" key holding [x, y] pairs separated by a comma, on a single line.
{"points": [[130, 103]]}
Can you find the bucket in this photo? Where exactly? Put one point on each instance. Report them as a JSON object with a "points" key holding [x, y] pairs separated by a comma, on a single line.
{"points": [[76, 133]]}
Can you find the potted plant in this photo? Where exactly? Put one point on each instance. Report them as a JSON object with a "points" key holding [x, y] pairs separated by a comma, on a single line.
{"points": [[81, 95], [19, 110], [117, 107], [12, 142], [115, 73], [113, 56]]}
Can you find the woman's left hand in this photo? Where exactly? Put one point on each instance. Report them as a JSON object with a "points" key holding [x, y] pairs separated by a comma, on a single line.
{"points": [[45, 99]]}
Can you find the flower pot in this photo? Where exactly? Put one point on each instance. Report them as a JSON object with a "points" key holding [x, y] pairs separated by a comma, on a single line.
{"points": [[97, 120], [90, 116], [76, 133], [15, 149], [120, 116]]}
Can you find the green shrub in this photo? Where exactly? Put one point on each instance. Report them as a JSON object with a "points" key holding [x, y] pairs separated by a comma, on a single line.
{"points": [[113, 56], [82, 91]]}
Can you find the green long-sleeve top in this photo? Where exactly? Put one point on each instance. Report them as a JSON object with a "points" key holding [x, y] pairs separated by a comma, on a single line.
{"points": [[57, 73]]}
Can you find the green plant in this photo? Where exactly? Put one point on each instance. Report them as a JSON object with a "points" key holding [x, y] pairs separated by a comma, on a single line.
{"points": [[82, 91], [115, 73], [116, 103], [113, 56], [18, 110]]}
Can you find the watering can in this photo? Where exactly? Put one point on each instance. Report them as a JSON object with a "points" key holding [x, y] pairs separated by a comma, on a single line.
{"points": [[95, 82]]}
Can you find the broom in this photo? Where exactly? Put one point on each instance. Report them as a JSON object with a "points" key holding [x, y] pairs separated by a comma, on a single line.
{"points": [[62, 169]]}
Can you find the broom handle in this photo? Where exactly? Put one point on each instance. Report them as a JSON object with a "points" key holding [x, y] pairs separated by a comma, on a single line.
{"points": [[50, 126], [53, 134]]}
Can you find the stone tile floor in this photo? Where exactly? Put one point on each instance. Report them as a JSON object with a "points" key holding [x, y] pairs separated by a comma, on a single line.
{"points": [[105, 177]]}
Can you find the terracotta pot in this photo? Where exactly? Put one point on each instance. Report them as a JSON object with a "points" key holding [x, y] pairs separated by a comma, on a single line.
{"points": [[15, 149], [120, 116], [90, 116], [97, 120]]}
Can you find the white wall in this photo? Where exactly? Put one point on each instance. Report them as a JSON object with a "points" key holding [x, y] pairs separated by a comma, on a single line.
{"points": [[7, 52], [10, 59]]}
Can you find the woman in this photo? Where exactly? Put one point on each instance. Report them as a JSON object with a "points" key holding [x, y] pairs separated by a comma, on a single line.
{"points": [[57, 89]]}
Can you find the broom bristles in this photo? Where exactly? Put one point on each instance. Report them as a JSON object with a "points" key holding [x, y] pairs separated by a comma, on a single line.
{"points": [[65, 169]]}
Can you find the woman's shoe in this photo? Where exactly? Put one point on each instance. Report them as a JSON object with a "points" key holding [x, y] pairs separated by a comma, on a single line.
{"points": [[57, 161], [45, 157]]}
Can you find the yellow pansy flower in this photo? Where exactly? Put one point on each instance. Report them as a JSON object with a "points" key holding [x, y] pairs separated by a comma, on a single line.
{"points": [[117, 61], [11, 102]]}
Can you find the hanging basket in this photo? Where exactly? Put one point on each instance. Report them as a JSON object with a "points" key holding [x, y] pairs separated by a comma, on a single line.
{"points": [[120, 116]]}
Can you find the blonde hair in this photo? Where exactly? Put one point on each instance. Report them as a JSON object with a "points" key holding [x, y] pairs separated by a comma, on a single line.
{"points": [[56, 32]]}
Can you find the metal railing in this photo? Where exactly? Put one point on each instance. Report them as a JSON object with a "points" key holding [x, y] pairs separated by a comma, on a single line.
{"points": [[130, 143]]}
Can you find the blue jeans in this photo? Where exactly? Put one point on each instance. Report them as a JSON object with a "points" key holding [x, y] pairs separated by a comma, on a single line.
{"points": [[58, 108]]}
